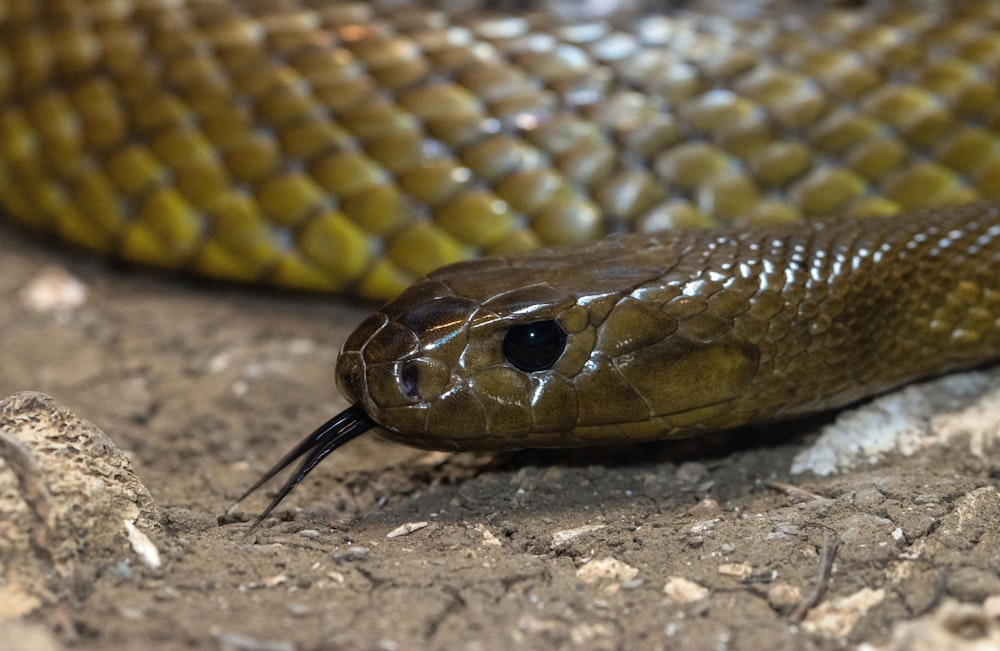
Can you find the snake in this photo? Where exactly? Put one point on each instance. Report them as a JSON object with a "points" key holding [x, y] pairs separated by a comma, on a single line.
{"points": [[590, 227]]}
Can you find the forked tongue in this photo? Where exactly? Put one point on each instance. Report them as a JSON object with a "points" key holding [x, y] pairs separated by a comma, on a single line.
{"points": [[345, 426]]}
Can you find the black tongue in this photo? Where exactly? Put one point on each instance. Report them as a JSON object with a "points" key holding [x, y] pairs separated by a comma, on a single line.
{"points": [[345, 426]]}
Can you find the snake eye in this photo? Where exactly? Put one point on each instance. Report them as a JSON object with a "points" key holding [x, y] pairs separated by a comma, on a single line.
{"points": [[534, 346]]}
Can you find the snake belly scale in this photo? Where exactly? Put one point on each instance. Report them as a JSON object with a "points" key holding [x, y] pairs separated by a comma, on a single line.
{"points": [[356, 147]]}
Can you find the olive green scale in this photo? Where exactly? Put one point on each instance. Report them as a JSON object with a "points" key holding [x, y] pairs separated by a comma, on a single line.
{"points": [[356, 147]]}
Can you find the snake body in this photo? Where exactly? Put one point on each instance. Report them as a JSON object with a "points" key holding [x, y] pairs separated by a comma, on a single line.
{"points": [[354, 147], [357, 147]]}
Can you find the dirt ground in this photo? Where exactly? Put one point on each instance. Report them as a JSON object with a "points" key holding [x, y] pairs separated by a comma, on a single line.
{"points": [[703, 544]]}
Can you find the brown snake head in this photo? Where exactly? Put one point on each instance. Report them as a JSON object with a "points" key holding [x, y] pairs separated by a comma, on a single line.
{"points": [[555, 349]]}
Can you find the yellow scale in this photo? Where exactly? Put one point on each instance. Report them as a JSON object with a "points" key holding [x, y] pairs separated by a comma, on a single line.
{"points": [[354, 149]]}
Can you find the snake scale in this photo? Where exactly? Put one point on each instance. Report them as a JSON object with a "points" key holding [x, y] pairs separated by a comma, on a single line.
{"points": [[357, 147]]}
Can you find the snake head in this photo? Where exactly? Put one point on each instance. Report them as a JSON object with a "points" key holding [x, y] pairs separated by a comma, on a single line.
{"points": [[557, 349], [445, 365]]}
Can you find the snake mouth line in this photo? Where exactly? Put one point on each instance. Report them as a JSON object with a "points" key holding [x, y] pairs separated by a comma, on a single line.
{"points": [[344, 427]]}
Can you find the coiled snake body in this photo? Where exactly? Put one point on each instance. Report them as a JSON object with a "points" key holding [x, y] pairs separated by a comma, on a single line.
{"points": [[356, 147]]}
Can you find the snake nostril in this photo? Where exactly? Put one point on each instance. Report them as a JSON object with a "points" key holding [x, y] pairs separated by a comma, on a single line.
{"points": [[410, 377]]}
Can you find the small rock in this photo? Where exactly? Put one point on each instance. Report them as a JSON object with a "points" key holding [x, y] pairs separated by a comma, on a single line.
{"points": [[54, 291], [739, 570], [683, 590], [489, 539], [606, 569], [564, 537], [705, 508], [784, 597], [406, 529], [835, 618]]}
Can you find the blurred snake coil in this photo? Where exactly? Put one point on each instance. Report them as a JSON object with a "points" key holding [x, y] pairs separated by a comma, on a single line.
{"points": [[356, 147]]}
